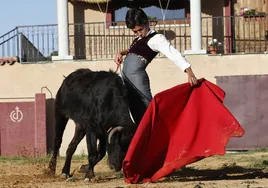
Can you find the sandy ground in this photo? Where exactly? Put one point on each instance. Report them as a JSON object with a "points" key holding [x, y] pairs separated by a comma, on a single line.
{"points": [[248, 170]]}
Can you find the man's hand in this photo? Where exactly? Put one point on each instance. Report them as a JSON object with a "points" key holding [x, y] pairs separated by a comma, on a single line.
{"points": [[191, 77], [118, 58], [192, 80]]}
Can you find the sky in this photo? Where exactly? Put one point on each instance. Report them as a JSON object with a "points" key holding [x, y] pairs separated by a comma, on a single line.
{"points": [[38, 12], [154, 12], [28, 12]]}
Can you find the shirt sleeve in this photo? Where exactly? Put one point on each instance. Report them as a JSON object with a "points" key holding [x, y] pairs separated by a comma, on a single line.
{"points": [[159, 43]]}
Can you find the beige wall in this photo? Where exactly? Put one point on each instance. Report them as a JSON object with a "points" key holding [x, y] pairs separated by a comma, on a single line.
{"points": [[24, 80], [84, 13]]}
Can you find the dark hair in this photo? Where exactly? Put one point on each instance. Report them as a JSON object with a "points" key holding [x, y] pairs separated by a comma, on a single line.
{"points": [[136, 16]]}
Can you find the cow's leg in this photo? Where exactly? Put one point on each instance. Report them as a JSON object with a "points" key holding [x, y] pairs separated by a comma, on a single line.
{"points": [[60, 124], [92, 154], [78, 136], [101, 153]]}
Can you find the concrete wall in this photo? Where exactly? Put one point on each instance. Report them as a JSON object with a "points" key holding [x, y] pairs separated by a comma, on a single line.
{"points": [[84, 12], [24, 80]]}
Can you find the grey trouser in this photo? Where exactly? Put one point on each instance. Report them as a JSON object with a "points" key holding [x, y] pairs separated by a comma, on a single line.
{"points": [[138, 84]]}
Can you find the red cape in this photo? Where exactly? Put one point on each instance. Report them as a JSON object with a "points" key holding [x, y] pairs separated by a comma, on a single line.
{"points": [[181, 125]]}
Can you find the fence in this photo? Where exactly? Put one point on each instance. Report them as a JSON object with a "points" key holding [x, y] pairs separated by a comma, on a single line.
{"points": [[8, 43], [103, 41], [238, 34], [30, 43]]}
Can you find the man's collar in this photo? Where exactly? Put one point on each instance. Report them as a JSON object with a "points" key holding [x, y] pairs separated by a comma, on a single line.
{"points": [[149, 32]]}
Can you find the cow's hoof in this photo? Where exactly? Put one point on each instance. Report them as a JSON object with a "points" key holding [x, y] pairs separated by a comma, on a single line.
{"points": [[96, 179], [71, 179], [89, 176], [65, 176], [91, 180]]}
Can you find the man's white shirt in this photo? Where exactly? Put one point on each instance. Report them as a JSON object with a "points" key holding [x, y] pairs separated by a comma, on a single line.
{"points": [[159, 43]]}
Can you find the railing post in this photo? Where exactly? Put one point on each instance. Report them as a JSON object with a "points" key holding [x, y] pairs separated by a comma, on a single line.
{"points": [[18, 44], [228, 27], [63, 31], [196, 28]]}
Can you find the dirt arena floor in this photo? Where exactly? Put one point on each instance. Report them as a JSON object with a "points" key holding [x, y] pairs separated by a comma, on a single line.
{"points": [[244, 169]]}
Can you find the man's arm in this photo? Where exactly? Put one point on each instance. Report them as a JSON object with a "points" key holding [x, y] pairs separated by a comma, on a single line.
{"points": [[161, 44], [123, 52]]}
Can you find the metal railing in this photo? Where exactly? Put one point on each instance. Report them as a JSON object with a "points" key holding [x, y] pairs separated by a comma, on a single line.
{"points": [[30, 43], [92, 41], [103, 41], [238, 34], [38, 43], [8, 43]]}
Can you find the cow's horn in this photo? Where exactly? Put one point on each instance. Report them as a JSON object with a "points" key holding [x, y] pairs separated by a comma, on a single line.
{"points": [[114, 130]]}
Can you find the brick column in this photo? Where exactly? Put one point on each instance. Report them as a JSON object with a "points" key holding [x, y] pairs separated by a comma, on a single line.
{"points": [[40, 143]]}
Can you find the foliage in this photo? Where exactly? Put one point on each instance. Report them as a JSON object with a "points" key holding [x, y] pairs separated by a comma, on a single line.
{"points": [[251, 12], [152, 18], [54, 53]]}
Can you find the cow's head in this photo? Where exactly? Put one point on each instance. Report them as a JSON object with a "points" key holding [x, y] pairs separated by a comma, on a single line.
{"points": [[119, 139]]}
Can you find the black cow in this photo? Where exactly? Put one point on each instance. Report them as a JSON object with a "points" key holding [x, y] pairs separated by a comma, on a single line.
{"points": [[98, 104]]}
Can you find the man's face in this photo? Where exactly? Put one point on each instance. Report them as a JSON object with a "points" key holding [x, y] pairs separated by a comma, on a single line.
{"points": [[141, 31]]}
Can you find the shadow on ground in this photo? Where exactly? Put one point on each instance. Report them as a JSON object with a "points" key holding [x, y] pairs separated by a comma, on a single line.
{"points": [[225, 173]]}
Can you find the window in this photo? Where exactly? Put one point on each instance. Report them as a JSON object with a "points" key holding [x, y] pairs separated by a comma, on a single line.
{"points": [[153, 11]]}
